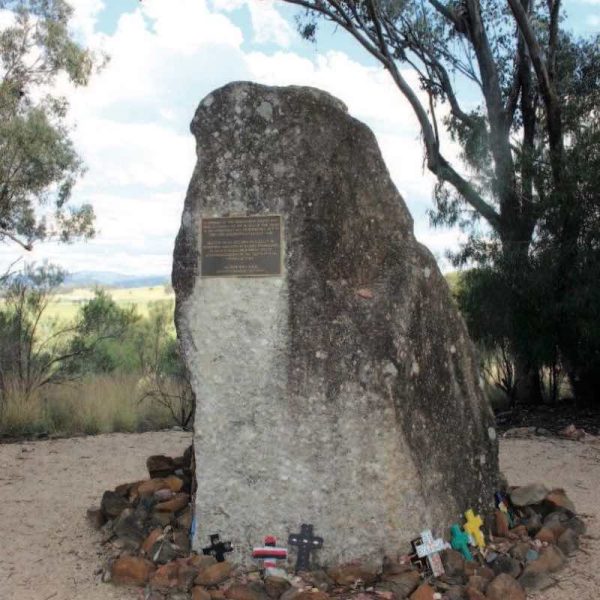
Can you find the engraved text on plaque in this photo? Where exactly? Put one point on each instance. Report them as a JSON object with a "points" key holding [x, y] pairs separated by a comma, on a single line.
{"points": [[241, 246]]}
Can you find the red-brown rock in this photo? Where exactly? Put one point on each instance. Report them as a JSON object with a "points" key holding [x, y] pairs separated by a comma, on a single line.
{"points": [[505, 587], [474, 594], [559, 499], [201, 561], [501, 527], [176, 503], [149, 487], [546, 535], [165, 577], [150, 541], [214, 574], [131, 570], [423, 592], [199, 593], [347, 575]]}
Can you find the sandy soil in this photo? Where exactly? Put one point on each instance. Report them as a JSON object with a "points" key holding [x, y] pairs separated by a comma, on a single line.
{"points": [[48, 551]]}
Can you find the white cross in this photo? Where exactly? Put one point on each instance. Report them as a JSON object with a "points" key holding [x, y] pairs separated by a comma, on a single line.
{"points": [[429, 548]]}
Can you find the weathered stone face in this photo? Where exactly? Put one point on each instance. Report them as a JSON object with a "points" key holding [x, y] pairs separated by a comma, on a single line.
{"points": [[344, 393]]}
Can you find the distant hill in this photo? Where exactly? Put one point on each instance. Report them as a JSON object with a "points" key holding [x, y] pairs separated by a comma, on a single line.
{"points": [[114, 280]]}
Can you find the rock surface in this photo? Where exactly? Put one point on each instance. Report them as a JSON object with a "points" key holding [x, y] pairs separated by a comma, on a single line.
{"points": [[351, 373]]}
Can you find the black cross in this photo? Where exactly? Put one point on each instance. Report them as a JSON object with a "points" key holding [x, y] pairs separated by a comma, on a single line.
{"points": [[306, 542], [217, 548]]}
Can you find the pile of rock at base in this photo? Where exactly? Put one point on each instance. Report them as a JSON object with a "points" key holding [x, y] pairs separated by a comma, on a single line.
{"points": [[146, 536]]}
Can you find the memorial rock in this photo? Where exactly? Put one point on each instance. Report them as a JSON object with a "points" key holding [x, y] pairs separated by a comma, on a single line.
{"points": [[336, 384]]}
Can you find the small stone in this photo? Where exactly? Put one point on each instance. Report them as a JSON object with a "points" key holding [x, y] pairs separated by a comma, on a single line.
{"points": [[95, 517], [534, 581], [562, 519], [201, 561], [505, 587], [455, 592], [214, 574], [199, 593], [165, 577], [423, 592], [506, 564], [568, 542], [276, 586], [551, 559], [519, 551], [131, 570], [477, 582], [520, 531], [311, 595], [474, 594], [178, 502], [185, 575], [526, 495], [347, 575], [546, 534], [163, 495], [113, 504], [149, 542], [500, 524], [129, 528], [402, 584], [453, 561], [559, 499], [151, 486], [531, 555], [318, 579], [240, 591], [175, 483], [160, 466], [163, 552], [182, 541]]}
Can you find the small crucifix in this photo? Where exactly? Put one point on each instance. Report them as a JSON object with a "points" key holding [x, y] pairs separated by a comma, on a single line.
{"points": [[418, 561], [217, 548], [306, 542], [270, 553], [473, 528], [429, 548], [460, 541]]}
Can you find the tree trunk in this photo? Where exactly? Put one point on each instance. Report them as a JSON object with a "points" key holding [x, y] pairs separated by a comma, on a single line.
{"points": [[528, 388]]}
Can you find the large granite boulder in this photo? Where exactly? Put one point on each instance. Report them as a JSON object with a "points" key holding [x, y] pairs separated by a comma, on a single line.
{"points": [[344, 392]]}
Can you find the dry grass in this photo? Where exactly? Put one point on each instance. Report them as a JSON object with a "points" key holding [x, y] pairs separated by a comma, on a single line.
{"points": [[95, 404]]}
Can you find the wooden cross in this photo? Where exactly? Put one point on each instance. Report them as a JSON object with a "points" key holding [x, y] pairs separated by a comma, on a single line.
{"points": [[429, 549], [217, 548], [460, 541], [473, 528], [306, 542]]}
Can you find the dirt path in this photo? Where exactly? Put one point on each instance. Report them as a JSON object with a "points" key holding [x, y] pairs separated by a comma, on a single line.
{"points": [[48, 552]]}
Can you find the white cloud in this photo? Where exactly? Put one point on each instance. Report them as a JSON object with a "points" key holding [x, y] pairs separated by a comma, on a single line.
{"points": [[267, 23], [133, 120]]}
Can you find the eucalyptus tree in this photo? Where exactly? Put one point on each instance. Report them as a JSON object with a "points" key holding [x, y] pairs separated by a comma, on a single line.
{"points": [[38, 161], [486, 72]]}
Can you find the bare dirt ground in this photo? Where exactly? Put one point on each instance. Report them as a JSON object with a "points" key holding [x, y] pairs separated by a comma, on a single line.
{"points": [[49, 552]]}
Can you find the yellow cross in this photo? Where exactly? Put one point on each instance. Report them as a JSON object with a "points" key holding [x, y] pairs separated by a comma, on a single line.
{"points": [[473, 528]]}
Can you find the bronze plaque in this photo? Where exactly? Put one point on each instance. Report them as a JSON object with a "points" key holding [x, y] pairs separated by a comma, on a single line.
{"points": [[241, 246]]}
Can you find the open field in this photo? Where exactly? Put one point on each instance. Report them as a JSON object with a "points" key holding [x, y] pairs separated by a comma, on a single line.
{"points": [[65, 305], [49, 552]]}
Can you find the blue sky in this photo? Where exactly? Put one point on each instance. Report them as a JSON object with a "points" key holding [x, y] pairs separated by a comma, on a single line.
{"points": [[166, 55]]}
